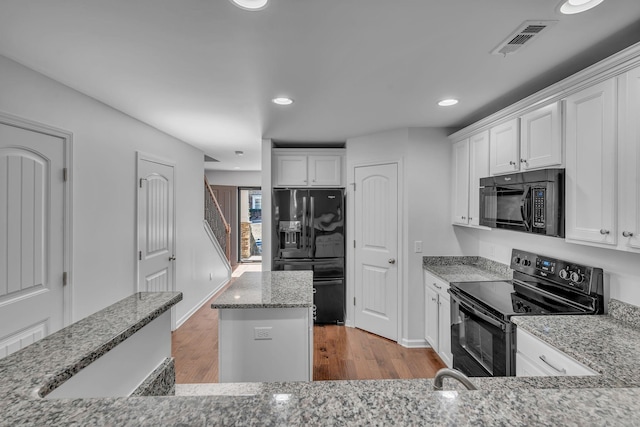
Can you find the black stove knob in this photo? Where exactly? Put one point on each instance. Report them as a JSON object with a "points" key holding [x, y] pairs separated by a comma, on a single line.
{"points": [[516, 260], [526, 263], [564, 274], [576, 277]]}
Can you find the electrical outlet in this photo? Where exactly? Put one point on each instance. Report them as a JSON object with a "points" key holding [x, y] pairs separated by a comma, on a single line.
{"points": [[210, 276], [417, 246], [262, 333]]}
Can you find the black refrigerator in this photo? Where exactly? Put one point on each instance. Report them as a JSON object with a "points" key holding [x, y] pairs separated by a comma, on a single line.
{"points": [[309, 231]]}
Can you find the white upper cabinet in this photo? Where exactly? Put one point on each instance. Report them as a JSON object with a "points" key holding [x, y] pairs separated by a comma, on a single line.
{"points": [[291, 171], [470, 163], [325, 171], [460, 208], [541, 138], [294, 168], [505, 147], [478, 168], [591, 165], [629, 161]]}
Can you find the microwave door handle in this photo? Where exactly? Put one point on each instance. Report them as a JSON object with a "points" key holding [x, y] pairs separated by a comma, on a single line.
{"points": [[303, 232], [524, 208], [312, 227]]}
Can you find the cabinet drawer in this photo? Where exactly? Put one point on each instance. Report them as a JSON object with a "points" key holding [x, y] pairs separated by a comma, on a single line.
{"points": [[440, 285], [548, 360]]}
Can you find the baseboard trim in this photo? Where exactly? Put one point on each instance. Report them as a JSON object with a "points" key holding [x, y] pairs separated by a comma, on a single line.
{"points": [[202, 302], [414, 343]]}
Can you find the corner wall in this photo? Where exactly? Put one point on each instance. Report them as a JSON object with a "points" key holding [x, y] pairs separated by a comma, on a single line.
{"points": [[105, 142]]}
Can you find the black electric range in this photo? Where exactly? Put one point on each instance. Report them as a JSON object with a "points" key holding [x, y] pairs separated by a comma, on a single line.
{"points": [[482, 335]]}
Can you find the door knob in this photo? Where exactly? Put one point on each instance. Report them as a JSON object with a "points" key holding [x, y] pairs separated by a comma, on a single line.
{"points": [[172, 258], [392, 261]]}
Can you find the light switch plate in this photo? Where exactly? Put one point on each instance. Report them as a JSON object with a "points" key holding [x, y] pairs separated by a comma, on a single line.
{"points": [[417, 246]]}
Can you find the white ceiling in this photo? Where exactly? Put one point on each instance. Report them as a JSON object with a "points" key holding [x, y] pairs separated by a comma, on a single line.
{"points": [[205, 71]]}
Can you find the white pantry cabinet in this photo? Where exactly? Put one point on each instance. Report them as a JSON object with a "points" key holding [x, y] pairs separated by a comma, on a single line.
{"points": [[438, 316], [536, 358], [311, 168], [470, 163], [629, 161]]}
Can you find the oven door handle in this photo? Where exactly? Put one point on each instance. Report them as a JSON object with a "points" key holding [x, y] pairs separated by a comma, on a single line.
{"points": [[495, 322]]}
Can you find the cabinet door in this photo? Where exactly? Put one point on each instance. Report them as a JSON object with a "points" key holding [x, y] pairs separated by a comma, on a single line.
{"points": [[460, 208], [444, 329], [478, 168], [540, 138], [504, 148], [591, 165], [291, 171], [431, 317], [629, 160], [325, 171]]}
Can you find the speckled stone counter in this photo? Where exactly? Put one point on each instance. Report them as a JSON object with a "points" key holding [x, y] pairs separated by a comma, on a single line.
{"points": [[590, 401], [466, 268], [268, 289], [608, 344]]}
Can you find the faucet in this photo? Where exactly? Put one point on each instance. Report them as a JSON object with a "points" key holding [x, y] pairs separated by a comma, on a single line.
{"points": [[457, 375]]}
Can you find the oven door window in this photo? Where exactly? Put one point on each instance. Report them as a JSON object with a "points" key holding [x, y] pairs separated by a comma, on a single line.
{"points": [[480, 347]]}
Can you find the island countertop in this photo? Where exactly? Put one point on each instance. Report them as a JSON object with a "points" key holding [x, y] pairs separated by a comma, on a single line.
{"points": [[268, 289]]}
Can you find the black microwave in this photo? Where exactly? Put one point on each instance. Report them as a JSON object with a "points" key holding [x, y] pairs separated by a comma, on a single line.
{"points": [[531, 202]]}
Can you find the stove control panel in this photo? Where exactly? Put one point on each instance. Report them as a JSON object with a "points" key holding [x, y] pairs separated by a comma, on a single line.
{"points": [[564, 273]]}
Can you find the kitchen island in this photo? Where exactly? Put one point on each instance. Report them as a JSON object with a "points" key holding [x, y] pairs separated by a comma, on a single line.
{"points": [[266, 327]]}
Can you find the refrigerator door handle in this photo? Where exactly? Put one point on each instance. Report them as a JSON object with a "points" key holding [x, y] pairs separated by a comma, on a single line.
{"points": [[303, 233], [312, 226]]}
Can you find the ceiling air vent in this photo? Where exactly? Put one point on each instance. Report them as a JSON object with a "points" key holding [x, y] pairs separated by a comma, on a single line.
{"points": [[210, 159], [522, 36]]}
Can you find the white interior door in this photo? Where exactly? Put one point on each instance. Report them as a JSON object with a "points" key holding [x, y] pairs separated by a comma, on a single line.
{"points": [[156, 253], [32, 200], [376, 252]]}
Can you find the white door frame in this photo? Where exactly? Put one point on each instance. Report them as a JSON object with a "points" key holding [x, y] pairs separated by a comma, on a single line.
{"points": [[350, 253], [67, 232], [150, 157]]}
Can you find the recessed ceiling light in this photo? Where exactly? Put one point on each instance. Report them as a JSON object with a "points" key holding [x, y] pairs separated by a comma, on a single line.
{"points": [[569, 7], [448, 102], [282, 100], [250, 4], [236, 167]]}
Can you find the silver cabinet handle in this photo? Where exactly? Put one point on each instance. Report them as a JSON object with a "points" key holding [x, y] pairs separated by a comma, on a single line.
{"points": [[512, 163], [544, 359], [433, 299], [603, 231], [172, 258], [438, 287], [523, 160], [392, 261], [627, 234], [464, 217]]}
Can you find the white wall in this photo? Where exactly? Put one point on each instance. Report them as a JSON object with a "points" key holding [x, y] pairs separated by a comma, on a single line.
{"points": [[105, 142], [424, 157], [621, 269], [235, 178]]}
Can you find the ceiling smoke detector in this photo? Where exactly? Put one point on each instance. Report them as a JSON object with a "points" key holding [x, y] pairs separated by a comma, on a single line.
{"points": [[523, 35]]}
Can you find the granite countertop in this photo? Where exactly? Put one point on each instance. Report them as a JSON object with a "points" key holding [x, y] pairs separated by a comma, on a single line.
{"points": [[609, 344], [466, 268], [44, 365], [268, 289]]}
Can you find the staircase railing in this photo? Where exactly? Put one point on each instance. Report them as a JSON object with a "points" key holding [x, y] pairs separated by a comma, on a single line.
{"points": [[213, 215]]}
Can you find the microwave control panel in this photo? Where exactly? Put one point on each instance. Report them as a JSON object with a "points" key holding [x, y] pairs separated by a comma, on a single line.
{"points": [[539, 208]]}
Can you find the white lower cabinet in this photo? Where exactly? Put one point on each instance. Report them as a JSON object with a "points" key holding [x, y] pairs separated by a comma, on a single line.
{"points": [[536, 358], [438, 317]]}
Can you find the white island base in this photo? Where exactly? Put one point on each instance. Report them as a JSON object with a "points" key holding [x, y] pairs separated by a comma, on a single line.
{"points": [[265, 344]]}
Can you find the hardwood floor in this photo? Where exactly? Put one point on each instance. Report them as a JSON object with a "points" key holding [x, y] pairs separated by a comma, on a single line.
{"points": [[340, 353]]}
